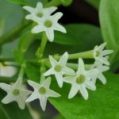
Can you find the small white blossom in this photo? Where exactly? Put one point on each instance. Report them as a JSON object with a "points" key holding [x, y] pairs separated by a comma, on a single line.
{"points": [[7, 71], [80, 81], [59, 68], [42, 92], [100, 69], [48, 24], [101, 55], [15, 92], [38, 12]]}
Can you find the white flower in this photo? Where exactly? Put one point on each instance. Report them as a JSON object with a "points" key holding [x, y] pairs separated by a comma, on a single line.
{"points": [[7, 71], [15, 92], [59, 68], [100, 68], [41, 92], [38, 12], [101, 55], [80, 81], [48, 24]]}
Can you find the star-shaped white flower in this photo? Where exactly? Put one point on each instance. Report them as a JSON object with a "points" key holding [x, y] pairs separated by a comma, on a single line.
{"points": [[59, 68], [101, 55], [48, 24], [80, 81], [15, 92], [42, 92], [100, 69], [7, 71], [38, 12]]}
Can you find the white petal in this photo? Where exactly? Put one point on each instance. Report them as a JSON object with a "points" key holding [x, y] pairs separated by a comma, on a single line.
{"points": [[7, 71], [60, 28], [21, 102], [84, 92], [64, 58], [39, 6], [43, 102], [102, 46], [67, 70], [81, 67], [5, 87], [69, 79], [33, 84], [52, 93], [102, 78], [33, 97], [73, 91], [57, 16], [50, 34], [37, 29], [107, 52], [47, 82], [59, 79], [49, 72], [50, 10], [29, 9], [52, 61], [91, 85], [9, 98]]}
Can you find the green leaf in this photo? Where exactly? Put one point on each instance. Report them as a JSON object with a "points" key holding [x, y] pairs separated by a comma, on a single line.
{"points": [[95, 3], [102, 103], [11, 15], [109, 20], [24, 2], [11, 111], [79, 35]]}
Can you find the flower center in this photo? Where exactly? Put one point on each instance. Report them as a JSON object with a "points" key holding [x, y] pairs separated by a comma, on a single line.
{"points": [[80, 79], [39, 14], [16, 92], [58, 68], [42, 90], [48, 23]]}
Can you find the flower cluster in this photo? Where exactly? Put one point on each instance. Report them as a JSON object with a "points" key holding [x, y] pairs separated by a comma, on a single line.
{"points": [[81, 78], [45, 19]]}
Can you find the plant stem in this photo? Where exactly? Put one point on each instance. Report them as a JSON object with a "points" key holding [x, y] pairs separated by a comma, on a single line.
{"points": [[87, 55], [40, 51]]}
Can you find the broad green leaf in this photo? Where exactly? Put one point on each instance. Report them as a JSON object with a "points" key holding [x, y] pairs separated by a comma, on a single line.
{"points": [[11, 111], [7, 50], [109, 20], [95, 3], [80, 35], [102, 103], [25, 2], [11, 17]]}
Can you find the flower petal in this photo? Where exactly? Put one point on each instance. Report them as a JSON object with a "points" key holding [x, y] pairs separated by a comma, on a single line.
{"points": [[73, 91], [84, 92], [33, 97], [50, 34], [102, 78], [43, 102], [64, 58], [59, 79]]}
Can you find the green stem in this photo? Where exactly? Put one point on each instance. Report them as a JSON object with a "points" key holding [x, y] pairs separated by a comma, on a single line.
{"points": [[40, 51], [21, 72], [86, 55]]}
